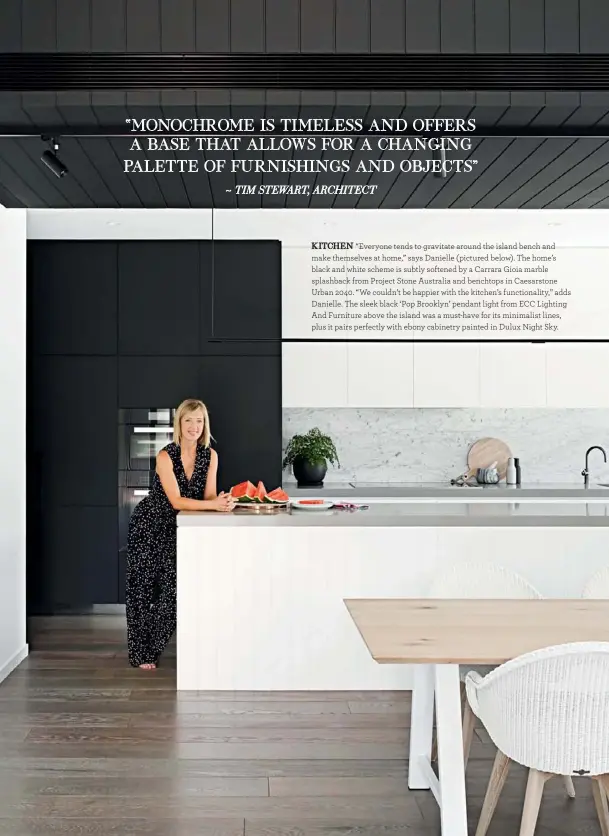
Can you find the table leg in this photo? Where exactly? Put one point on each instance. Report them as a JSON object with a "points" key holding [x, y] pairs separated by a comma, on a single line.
{"points": [[451, 769], [421, 726]]}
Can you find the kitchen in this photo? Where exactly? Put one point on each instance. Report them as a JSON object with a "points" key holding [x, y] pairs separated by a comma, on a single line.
{"points": [[121, 293], [402, 434], [408, 424]]}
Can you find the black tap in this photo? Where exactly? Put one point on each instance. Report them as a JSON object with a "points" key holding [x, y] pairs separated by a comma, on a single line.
{"points": [[585, 471]]}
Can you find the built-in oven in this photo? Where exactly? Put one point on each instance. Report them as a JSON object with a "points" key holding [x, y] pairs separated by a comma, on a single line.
{"points": [[142, 433]]}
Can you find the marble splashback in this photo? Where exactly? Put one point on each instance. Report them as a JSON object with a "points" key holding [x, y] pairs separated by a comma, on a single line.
{"points": [[430, 445]]}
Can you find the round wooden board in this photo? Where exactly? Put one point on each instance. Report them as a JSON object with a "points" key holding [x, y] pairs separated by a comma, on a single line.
{"points": [[485, 451]]}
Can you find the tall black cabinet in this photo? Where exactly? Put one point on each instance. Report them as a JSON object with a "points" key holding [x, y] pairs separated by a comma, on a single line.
{"points": [[138, 324]]}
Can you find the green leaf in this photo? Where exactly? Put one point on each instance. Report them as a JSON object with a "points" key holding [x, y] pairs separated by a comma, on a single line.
{"points": [[315, 446]]}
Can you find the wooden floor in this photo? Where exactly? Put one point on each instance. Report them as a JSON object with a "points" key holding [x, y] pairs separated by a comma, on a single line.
{"points": [[90, 746]]}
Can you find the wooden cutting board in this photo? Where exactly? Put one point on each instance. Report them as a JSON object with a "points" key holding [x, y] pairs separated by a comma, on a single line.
{"points": [[485, 451]]}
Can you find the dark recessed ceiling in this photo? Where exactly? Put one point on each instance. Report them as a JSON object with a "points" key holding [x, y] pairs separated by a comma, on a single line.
{"points": [[283, 71], [530, 166]]}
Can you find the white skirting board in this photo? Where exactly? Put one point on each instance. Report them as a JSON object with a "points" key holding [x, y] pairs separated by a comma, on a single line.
{"points": [[261, 609], [13, 662]]}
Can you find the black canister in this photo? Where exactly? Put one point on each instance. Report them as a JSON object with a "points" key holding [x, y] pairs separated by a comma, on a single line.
{"points": [[517, 466]]}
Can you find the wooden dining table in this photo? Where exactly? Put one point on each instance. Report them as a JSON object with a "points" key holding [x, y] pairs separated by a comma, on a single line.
{"points": [[438, 635]]}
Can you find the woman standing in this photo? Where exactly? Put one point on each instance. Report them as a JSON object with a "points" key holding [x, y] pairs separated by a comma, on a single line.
{"points": [[185, 480]]}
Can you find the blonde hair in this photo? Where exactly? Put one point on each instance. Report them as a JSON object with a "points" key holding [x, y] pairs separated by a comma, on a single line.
{"points": [[186, 407]]}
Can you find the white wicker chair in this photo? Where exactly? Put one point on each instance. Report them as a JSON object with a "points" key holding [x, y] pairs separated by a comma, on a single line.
{"points": [[477, 580], [598, 585], [481, 580], [549, 711]]}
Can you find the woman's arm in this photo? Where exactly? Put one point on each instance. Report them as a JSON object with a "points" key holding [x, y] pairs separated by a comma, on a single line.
{"points": [[211, 485], [164, 468]]}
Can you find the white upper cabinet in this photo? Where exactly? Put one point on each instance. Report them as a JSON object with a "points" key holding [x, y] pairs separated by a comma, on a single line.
{"points": [[578, 375], [446, 375], [380, 375], [512, 375], [314, 374]]}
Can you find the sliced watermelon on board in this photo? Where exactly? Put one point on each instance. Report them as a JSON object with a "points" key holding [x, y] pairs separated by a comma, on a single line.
{"points": [[243, 492], [278, 495], [248, 492]]}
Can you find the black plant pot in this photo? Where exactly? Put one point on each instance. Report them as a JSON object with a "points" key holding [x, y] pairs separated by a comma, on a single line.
{"points": [[309, 474]]}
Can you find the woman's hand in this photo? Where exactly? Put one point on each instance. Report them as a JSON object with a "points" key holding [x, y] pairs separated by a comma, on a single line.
{"points": [[224, 502]]}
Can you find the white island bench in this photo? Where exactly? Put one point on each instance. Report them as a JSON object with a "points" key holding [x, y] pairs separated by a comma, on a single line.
{"points": [[260, 598]]}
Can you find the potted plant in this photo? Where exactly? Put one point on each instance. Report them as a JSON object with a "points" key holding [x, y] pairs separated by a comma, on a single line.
{"points": [[309, 455]]}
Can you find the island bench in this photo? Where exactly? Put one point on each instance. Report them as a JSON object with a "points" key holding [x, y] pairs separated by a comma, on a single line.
{"points": [[260, 598]]}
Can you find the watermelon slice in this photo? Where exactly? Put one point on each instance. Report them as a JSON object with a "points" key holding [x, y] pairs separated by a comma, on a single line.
{"points": [[243, 492], [248, 492], [278, 495]]}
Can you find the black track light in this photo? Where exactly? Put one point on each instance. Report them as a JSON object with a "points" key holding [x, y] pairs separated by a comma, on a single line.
{"points": [[51, 160]]}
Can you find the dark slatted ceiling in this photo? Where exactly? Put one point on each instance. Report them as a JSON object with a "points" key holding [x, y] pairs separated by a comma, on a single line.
{"points": [[357, 70], [308, 26], [512, 171], [106, 112]]}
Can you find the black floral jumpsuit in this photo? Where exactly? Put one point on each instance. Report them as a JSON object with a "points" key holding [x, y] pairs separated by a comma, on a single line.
{"points": [[151, 587]]}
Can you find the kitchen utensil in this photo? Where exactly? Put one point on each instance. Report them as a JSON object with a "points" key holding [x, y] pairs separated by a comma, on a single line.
{"points": [[248, 503], [260, 507], [307, 505], [350, 506], [462, 481], [488, 475], [511, 472], [485, 451], [518, 471]]}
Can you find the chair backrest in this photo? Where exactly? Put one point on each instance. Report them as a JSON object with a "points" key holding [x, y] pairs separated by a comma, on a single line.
{"points": [[480, 580], [549, 710], [598, 585]]}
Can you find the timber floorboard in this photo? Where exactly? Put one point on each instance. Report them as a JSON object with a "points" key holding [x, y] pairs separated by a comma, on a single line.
{"points": [[91, 747]]}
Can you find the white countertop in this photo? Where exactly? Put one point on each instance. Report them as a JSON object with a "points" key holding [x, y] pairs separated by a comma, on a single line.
{"points": [[413, 514], [442, 490]]}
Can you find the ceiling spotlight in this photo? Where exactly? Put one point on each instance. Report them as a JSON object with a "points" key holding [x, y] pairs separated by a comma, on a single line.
{"points": [[51, 160], [440, 155]]}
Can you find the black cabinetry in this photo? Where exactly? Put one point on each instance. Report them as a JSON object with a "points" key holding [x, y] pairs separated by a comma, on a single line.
{"points": [[72, 389], [73, 296], [72, 411], [78, 561], [243, 396], [164, 293], [135, 324], [71, 547], [163, 381], [247, 290]]}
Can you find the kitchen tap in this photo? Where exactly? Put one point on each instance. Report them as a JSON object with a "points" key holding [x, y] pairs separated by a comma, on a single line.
{"points": [[585, 471]]}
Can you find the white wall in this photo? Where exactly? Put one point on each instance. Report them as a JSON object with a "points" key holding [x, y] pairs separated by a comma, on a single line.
{"points": [[460, 247], [13, 648], [119, 224]]}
